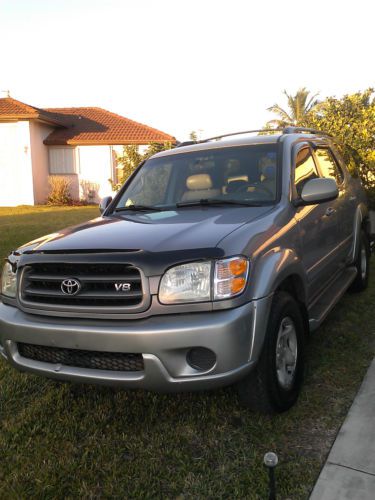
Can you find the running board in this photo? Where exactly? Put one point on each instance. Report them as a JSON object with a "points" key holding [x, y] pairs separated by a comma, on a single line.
{"points": [[330, 297]]}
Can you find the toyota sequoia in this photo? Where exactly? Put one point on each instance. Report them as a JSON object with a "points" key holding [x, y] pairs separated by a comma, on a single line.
{"points": [[210, 267]]}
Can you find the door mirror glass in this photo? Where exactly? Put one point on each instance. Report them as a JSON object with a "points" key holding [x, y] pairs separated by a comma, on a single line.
{"points": [[104, 203], [318, 191]]}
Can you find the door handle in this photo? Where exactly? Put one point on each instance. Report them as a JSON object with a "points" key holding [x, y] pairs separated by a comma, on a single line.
{"points": [[330, 211]]}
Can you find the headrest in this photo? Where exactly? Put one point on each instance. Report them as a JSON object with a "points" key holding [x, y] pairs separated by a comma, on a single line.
{"points": [[199, 182], [270, 172]]}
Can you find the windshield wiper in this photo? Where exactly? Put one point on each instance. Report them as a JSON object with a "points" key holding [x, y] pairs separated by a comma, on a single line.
{"points": [[213, 201], [138, 208]]}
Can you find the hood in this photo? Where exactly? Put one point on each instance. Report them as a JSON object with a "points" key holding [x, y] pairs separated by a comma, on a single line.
{"points": [[187, 228]]}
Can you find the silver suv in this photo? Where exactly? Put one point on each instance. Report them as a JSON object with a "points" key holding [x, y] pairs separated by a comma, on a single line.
{"points": [[210, 267]]}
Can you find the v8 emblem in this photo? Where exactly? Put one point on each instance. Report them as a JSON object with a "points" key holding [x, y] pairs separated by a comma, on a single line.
{"points": [[122, 287]]}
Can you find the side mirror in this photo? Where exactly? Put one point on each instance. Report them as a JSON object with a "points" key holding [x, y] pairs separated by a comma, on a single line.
{"points": [[104, 203], [318, 191]]}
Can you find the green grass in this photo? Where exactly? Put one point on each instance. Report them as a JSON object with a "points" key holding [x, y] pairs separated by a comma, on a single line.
{"points": [[19, 225], [62, 440]]}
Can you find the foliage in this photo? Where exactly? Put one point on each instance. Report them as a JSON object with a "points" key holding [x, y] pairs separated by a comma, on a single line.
{"points": [[132, 157], [89, 191], [196, 135], [193, 136], [351, 120], [60, 191], [299, 106]]}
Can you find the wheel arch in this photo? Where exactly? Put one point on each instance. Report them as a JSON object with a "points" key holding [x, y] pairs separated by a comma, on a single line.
{"points": [[361, 222], [282, 270], [293, 285], [280, 267]]}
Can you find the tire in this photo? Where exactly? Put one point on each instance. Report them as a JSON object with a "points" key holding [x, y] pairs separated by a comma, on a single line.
{"points": [[362, 264], [270, 388]]}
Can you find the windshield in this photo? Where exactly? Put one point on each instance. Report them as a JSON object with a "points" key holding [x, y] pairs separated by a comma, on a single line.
{"points": [[243, 175]]}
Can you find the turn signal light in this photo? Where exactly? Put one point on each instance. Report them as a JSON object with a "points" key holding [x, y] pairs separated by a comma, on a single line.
{"points": [[230, 277]]}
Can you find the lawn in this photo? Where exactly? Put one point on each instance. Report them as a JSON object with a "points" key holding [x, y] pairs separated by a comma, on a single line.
{"points": [[62, 440]]}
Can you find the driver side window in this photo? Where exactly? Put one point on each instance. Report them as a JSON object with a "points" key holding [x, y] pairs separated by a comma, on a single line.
{"points": [[305, 169]]}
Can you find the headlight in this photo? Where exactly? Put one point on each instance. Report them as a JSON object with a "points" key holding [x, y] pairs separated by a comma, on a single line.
{"points": [[8, 281], [186, 283], [195, 282]]}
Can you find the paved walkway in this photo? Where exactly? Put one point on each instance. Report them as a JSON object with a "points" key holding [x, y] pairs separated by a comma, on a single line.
{"points": [[349, 472]]}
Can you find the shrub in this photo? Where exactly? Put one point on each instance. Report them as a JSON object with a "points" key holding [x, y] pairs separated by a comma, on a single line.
{"points": [[60, 191]]}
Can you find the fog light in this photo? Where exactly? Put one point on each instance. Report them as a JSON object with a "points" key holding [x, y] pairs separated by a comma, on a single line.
{"points": [[201, 358]]}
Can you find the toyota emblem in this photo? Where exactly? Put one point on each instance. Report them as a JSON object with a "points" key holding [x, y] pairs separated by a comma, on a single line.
{"points": [[70, 286]]}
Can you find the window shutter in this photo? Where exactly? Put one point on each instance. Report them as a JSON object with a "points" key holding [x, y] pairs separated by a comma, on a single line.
{"points": [[61, 161]]}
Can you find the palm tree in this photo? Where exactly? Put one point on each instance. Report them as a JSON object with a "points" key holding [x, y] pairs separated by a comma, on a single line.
{"points": [[299, 106]]}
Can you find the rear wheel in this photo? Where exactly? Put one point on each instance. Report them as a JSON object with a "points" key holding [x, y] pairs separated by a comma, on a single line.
{"points": [[362, 265], [273, 386]]}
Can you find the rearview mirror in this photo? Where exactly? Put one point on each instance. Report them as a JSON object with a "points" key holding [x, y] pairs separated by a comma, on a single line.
{"points": [[104, 203], [318, 191]]}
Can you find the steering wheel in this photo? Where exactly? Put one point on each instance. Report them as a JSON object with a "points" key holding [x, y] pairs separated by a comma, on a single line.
{"points": [[257, 187]]}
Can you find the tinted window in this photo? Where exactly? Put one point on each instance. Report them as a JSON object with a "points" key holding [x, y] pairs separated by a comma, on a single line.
{"points": [[328, 166], [305, 169]]}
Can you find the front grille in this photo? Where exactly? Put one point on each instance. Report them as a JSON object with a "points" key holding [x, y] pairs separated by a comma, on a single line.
{"points": [[113, 361], [100, 285]]}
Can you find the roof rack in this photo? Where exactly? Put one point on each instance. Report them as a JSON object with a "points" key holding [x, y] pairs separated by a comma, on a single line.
{"points": [[301, 130], [286, 130], [217, 137]]}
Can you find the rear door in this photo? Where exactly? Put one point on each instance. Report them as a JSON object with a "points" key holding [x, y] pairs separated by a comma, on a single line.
{"points": [[343, 211]]}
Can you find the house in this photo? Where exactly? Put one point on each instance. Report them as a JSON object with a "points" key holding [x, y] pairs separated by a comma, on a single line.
{"points": [[80, 144]]}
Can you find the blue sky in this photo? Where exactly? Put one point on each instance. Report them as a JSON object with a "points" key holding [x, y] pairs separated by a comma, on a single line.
{"points": [[183, 65]]}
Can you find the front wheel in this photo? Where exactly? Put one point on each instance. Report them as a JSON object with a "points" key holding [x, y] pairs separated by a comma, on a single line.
{"points": [[273, 386]]}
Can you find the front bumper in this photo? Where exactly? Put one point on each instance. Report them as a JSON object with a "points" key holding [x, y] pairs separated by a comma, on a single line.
{"points": [[234, 335]]}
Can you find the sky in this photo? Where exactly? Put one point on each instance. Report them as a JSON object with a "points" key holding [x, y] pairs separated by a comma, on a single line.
{"points": [[212, 66]]}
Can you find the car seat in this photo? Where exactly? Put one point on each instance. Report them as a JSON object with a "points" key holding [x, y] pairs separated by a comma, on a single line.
{"points": [[199, 186]]}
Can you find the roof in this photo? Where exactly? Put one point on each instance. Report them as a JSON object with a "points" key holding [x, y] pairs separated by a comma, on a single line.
{"points": [[83, 126], [98, 126], [11, 109], [224, 143], [287, 135]]}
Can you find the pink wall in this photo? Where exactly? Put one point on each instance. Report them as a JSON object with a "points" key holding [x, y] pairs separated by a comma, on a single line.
{"points": [[39, 158]]}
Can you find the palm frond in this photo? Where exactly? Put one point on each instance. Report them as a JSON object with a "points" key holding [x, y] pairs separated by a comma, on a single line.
{"points": [[278, 110], [299, 106]]}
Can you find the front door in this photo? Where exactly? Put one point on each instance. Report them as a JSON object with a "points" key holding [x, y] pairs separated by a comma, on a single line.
{"points": [[317, 226]]}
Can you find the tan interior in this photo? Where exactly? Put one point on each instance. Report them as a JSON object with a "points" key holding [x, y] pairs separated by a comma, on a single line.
{"points": [[199, 187]]}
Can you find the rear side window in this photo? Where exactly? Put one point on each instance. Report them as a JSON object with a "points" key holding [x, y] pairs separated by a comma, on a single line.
{"points": [[305, 169], [350, 158], [328, 165]]}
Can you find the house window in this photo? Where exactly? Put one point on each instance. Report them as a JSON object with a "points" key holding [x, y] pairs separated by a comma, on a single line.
{"points": [[62, 161]]}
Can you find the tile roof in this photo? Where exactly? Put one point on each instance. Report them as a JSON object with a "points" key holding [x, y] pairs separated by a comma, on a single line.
{"points": [[90, 126], [11, 109], [98, 126]]}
